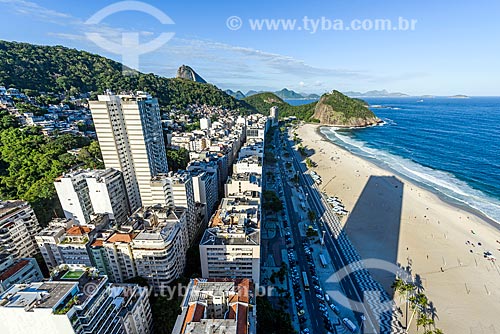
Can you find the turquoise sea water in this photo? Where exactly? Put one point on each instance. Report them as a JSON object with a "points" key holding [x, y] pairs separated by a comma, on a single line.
{"points": [[450, 146]]}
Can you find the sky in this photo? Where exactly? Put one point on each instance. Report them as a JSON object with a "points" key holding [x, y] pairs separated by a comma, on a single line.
{"points": [[453, 48]]}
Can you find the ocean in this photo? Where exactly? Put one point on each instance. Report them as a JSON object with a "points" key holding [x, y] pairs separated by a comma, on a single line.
{"points": [[449, 146]]}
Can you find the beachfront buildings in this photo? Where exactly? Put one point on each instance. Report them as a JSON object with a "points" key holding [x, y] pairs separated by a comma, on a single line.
{"points": [[217, 307], [76, 300], [18, 271], [84, 193], [230, 247], [249, 164], [18, 227], [130, 135], [244, 184]]}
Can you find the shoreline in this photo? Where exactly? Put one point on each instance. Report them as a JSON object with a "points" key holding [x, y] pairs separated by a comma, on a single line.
{"points": [[394, 219], [459, 205]]}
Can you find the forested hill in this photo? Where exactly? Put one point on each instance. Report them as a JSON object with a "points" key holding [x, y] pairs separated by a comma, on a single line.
{"points": [[57, 69]]}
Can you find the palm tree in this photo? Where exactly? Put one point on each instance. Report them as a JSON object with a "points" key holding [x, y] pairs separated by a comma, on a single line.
{"points": [[420, 303], [424, 321], [404, 289]]}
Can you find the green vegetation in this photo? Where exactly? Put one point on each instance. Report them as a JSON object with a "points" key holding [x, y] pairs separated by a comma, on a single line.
{"points": [[262, 102], [177, 159], [192, 126], [68, 306], [271, 201], [311, 215], [309, 163], [7, 120], [58, 69], [280, 274], [271, 320], [343, 107], [165, 309], [30, 162], [419, 304], [348, 107], [76, 274]]}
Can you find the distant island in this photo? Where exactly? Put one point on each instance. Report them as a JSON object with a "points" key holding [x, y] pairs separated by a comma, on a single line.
{"points": [[459, 97], [375, 93]]}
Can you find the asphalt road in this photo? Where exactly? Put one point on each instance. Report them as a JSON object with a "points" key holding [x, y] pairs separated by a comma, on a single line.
{"points": [[351, 289]]}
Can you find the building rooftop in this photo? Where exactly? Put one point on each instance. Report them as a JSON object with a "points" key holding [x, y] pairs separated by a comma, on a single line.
{"points": [[9, 208], [203, 296], [13, 269], [236, 222], [67, 288]]}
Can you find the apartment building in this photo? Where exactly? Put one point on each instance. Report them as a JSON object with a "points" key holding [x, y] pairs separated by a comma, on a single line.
{"points": [[76, 300], [64, 242], [130, 134], [217, 307], [18, 227], [176, 189], [230, 247], [244, 185], [84, 193], [18, 271], [159, 250]]}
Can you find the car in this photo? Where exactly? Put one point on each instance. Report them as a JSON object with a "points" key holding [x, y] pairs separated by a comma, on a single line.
{"points": [[301, 313], [305, 331], [327, 297], [320, 297], [350, 325], [302, 319]]}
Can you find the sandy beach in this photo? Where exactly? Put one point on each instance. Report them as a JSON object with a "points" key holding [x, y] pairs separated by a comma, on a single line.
{"points": [[395, 220]]}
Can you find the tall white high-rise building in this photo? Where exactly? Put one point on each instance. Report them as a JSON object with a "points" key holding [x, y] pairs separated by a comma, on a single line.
{"points": [[130, 135]]}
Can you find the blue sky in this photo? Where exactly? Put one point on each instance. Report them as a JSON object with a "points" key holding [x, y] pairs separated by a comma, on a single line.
{"points": [[453, 50]]}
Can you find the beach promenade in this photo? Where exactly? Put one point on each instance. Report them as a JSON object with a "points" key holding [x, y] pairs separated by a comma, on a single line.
{"points": [[394, 220]]}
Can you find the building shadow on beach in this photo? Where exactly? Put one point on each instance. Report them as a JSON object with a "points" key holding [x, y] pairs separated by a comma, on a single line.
{"points": [[373, 226]]}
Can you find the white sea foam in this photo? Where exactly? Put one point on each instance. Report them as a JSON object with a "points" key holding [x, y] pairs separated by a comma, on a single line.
{"points": [[442, 182]]}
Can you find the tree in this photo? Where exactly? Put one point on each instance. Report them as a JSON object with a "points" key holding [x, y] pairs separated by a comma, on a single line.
{"points": [[271, 320], [177, 159], [404, 289], [271, 201], [311, 215]]}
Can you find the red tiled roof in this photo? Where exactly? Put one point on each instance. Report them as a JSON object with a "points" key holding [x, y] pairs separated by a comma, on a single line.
{"points": [[78, 230], [97, 243], [121, 237], [232, 312], [198, 313], [242, 326], [13, 269]]}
